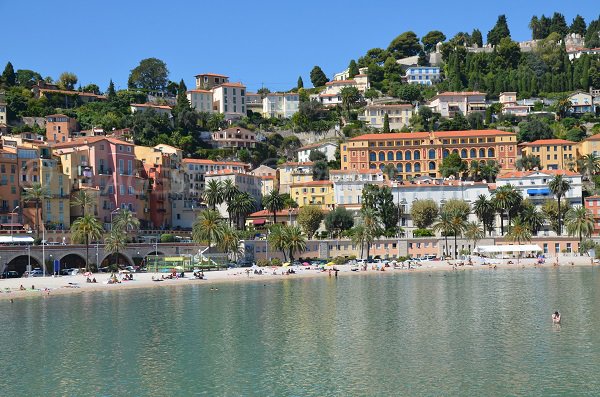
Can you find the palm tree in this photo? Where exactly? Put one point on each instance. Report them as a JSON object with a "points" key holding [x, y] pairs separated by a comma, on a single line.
{"points": [[86, 228], [532, 216], [230, 242], [506, 199], [126, 221], [484, 210], [213, 193], [372, 227], [519, 232], [579, 222], [475, 170], [115, 242], [559, 186], [590, 164], [444, 226], [390, 171], [294, 240], [37, 193], [82, 199], [358, 237], [241, 205], [208, 227], [229, 191], [528, 162], [490, 170], [274, 202], [349, 96], [277, 239], [474, 233], [459, 224]]}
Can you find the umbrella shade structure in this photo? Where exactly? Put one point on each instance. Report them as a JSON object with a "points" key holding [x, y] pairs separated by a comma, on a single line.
{"points": [[330, 264], [286, 264], [124, 272], [492, 249], [305, 264], [178, 267]]}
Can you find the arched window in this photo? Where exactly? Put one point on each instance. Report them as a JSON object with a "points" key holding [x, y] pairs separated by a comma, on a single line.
{"points": [[490, 152], [473, 153], [398, 155], [432, 166], [445, 153], [372, 156], [381, 166], [408, 168], [417, 155], [417, 167], [431, 154], [455, 151], [407, 155], [381, 156], [463, 154], [390, 156], [399, 167], [372, 166], [481, 152]]}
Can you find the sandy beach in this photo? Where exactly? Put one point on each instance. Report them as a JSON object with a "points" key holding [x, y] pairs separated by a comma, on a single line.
{"points": [[11, 289]]}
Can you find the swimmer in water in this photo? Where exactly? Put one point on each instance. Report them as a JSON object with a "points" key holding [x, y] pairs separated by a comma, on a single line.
{"points": [[556, 317]]}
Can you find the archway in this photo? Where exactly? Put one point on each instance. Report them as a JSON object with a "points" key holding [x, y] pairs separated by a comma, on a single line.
{"points": [[120, 259], [19, 264], [74, 261]]}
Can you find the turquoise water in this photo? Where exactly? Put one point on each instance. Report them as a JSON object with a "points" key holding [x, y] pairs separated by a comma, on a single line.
{"points": [[463, 333]]}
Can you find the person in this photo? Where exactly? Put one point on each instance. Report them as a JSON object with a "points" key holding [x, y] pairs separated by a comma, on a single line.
{"points": [[556, 317], [22, 288], [94, 280]]}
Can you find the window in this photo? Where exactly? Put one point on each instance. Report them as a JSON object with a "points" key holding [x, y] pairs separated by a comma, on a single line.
{"points": [[431, 154], [431, 166], [417, 155], [407, 156], [398, 155], [408, 168], [381, 156]]}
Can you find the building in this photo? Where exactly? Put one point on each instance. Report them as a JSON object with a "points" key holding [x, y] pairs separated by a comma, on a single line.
{"points": [[60, 128], [262, 218], [3, 113], [348, 186], [244, 181], [592, 204], [143, 107], [421, 153], [327, 148], [56, 209], [345, 75], [280, 105], [254, 102], [196, 170], [10, 192], [509, 103], [450, 103], [207, 81], [590, 145], [293, 173], [398, 115], [67, 97], [554, 154], [234, 137], [425, 75], [581, 102], [201, 100], [230, 99], [313, 193], [332, 94]]}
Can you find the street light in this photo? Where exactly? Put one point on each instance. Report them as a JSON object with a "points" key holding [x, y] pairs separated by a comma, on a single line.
{"points": [[52, 262], [12, 221], [111, 217]]}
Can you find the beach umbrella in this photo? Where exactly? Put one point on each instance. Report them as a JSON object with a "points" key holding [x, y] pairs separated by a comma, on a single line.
{"points": [[305, 264], [178, 268], [286, 264], [330, 264], [124, 272]]}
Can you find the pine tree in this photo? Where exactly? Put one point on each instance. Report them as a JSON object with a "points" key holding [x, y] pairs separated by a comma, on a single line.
{"points": [[111, 93], [352, 69], [182, 101], [499, 31], [578, 26], [300, 82], [317, 77], [8, 76], [386, 123], [477, 38]]}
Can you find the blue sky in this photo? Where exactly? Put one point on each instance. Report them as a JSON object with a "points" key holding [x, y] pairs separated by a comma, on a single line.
{"points": [[257, 42]]}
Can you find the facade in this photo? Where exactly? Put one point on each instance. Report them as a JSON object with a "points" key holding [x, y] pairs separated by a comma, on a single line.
{"points": [[327, 148], [554, 154], [280, 105], [201, 100], [235, 137], [313, 193], [581, 102], [590, 145], [348, 186], [448, 104], [143, 107], [10, 192], [196, 170], [592, 204], [421, 153], [331, 95], [207, 81], [230, 99], [425, 75], [254, 102], [398, 115], [262, 218], [56, 209], [293, 173], [244, 181], [60, 128], [509, 103], [3, 113]]}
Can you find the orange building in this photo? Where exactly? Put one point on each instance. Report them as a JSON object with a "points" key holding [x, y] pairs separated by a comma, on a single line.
{"points": [[59, 128], [9, 186], [592, 204], [421, 153]]}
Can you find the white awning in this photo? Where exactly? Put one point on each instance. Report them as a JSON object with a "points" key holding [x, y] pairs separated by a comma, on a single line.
{"points": [[488, 249], [16, 240]]}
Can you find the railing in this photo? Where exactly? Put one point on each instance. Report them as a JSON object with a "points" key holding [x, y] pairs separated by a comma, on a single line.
{"points": [[107, 171]]}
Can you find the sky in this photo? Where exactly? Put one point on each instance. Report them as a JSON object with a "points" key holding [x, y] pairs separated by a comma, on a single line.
{"points": [[260, 43]]}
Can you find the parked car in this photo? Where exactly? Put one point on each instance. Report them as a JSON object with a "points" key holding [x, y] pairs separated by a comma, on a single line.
{"points": [[9, 274], [37, 272]]}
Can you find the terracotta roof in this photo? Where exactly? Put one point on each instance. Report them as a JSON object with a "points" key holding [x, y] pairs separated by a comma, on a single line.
{"points": [[390, 105], [72, 93], [234, 129], [201, 91], [263, 213], [328, 95], [521, 174], [211, 74], [150, 105], [593, 138], [87, 141], [548, 142], [314, 145], [57, 115], [340, 82], [361, 171], [231, 85], [595, 197], [312, 183], [294, 163], [436, 134], [212, 162], [456, 93]]}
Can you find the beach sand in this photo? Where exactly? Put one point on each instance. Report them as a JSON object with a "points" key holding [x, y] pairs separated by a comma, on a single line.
{"points": [[37, 287]]}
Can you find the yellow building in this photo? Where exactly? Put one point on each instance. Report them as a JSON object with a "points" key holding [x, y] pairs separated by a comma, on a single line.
{"points": [[293, 173], [554, 154], [589, 145], [56, 209], [313, 193]]}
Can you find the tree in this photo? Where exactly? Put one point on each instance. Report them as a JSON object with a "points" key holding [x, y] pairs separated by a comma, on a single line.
{"points": [[423, 59], [473, 232], [37, 193], [504, 199], [499, 31], [349, 95], [67, 80], [277, 239], [424, 212], [294, 240], [91, 88], [559, 186], [386, 124], [229, 191], [317, 155], [263, 91], [338, 220], [381, 201], [352, 69], [357, 235], [405, 45], [114, 243], [300, 83], [575, 135], [111, 94], [579, 222], [371, 94], [320, 171], [230, 243], [125, 221], [534, 130], [519, 231], [82, 199], [477, 38], [508, 54], [590, 165], [86, 229], [529, 162], [551, 214], [559, 25], [431, 39], [208, 227], [309, 218], [151, 74], [532, 216], [9, 78], [578, 26], [213, 193], [390, 171], [371, 227], [242, 205], [182, 101], [28, 78], [273, 202], [317, 77], [409, 93], [485, 212], [453, 165], [444, 227]]}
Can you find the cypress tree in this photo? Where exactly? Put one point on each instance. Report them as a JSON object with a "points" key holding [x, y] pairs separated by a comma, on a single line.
{"points": [[352, 69], [182, 101], [386, 123], [8, 76], [111, 93], [300, 82]]}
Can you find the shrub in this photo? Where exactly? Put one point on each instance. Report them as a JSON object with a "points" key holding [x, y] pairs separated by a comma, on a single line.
{"points": [[422, 233], [167, 238], [262, 262], [276, 262]]}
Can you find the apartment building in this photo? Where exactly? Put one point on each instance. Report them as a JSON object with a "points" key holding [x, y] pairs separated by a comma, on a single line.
{"points": [[235, 137], [313, 193], [207, 81], [424, 75], [293, 173], [56, 209], [144, 107], [448, 104], [421, 153], [280, 105], [327, 148], [332, 94], [60, 128], [10, 192], [230, 99], [244, 181], [201, 100], [554, 154], [349, 184], [196, 170], [399, 115]]}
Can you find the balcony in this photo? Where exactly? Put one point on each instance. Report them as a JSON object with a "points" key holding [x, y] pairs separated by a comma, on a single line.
{"points": [[105, 171]]}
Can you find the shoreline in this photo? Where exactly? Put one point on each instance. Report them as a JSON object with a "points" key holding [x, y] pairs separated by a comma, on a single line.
{"points": [[68, 285]]}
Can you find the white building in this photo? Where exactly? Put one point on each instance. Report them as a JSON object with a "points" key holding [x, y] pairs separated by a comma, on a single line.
{"points": [[399, 114], [331, 95], [142, 107], [449, 104], [280, 105], [509, 103], [327, 148], [348, 186], [196, 170], [244, 181], [230, 99], [581, 102], [201, 100], [426, 75], [345, 75], [3, 116]]}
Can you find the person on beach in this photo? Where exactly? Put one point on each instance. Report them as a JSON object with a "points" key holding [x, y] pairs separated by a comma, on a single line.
{"points": [[556, 317]]}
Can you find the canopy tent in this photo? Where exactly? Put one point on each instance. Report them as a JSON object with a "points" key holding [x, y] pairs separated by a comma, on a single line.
{"points": [[16, 240], [493, 249]]}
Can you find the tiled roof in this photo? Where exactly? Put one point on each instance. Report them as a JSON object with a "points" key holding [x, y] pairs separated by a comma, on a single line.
{"points": [[315, 145], [522, 174], [263, 213], [340, 82], [150, 105], [593, 138], [361, 171], [312, 183], [87, 141], [72, 93], [201, 91], [437, 134], [456, 93], [294, 163], [57, 115], [548, 142], [211, 74], [390, 105], [212, 162], [231, 85]]}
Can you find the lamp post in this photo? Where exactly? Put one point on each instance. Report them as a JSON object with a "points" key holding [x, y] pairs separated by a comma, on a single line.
{"points": [[111, 217], [12, 221], [156, 254], [52, 262], [97, 264], [44, 251], [29, 258]]}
